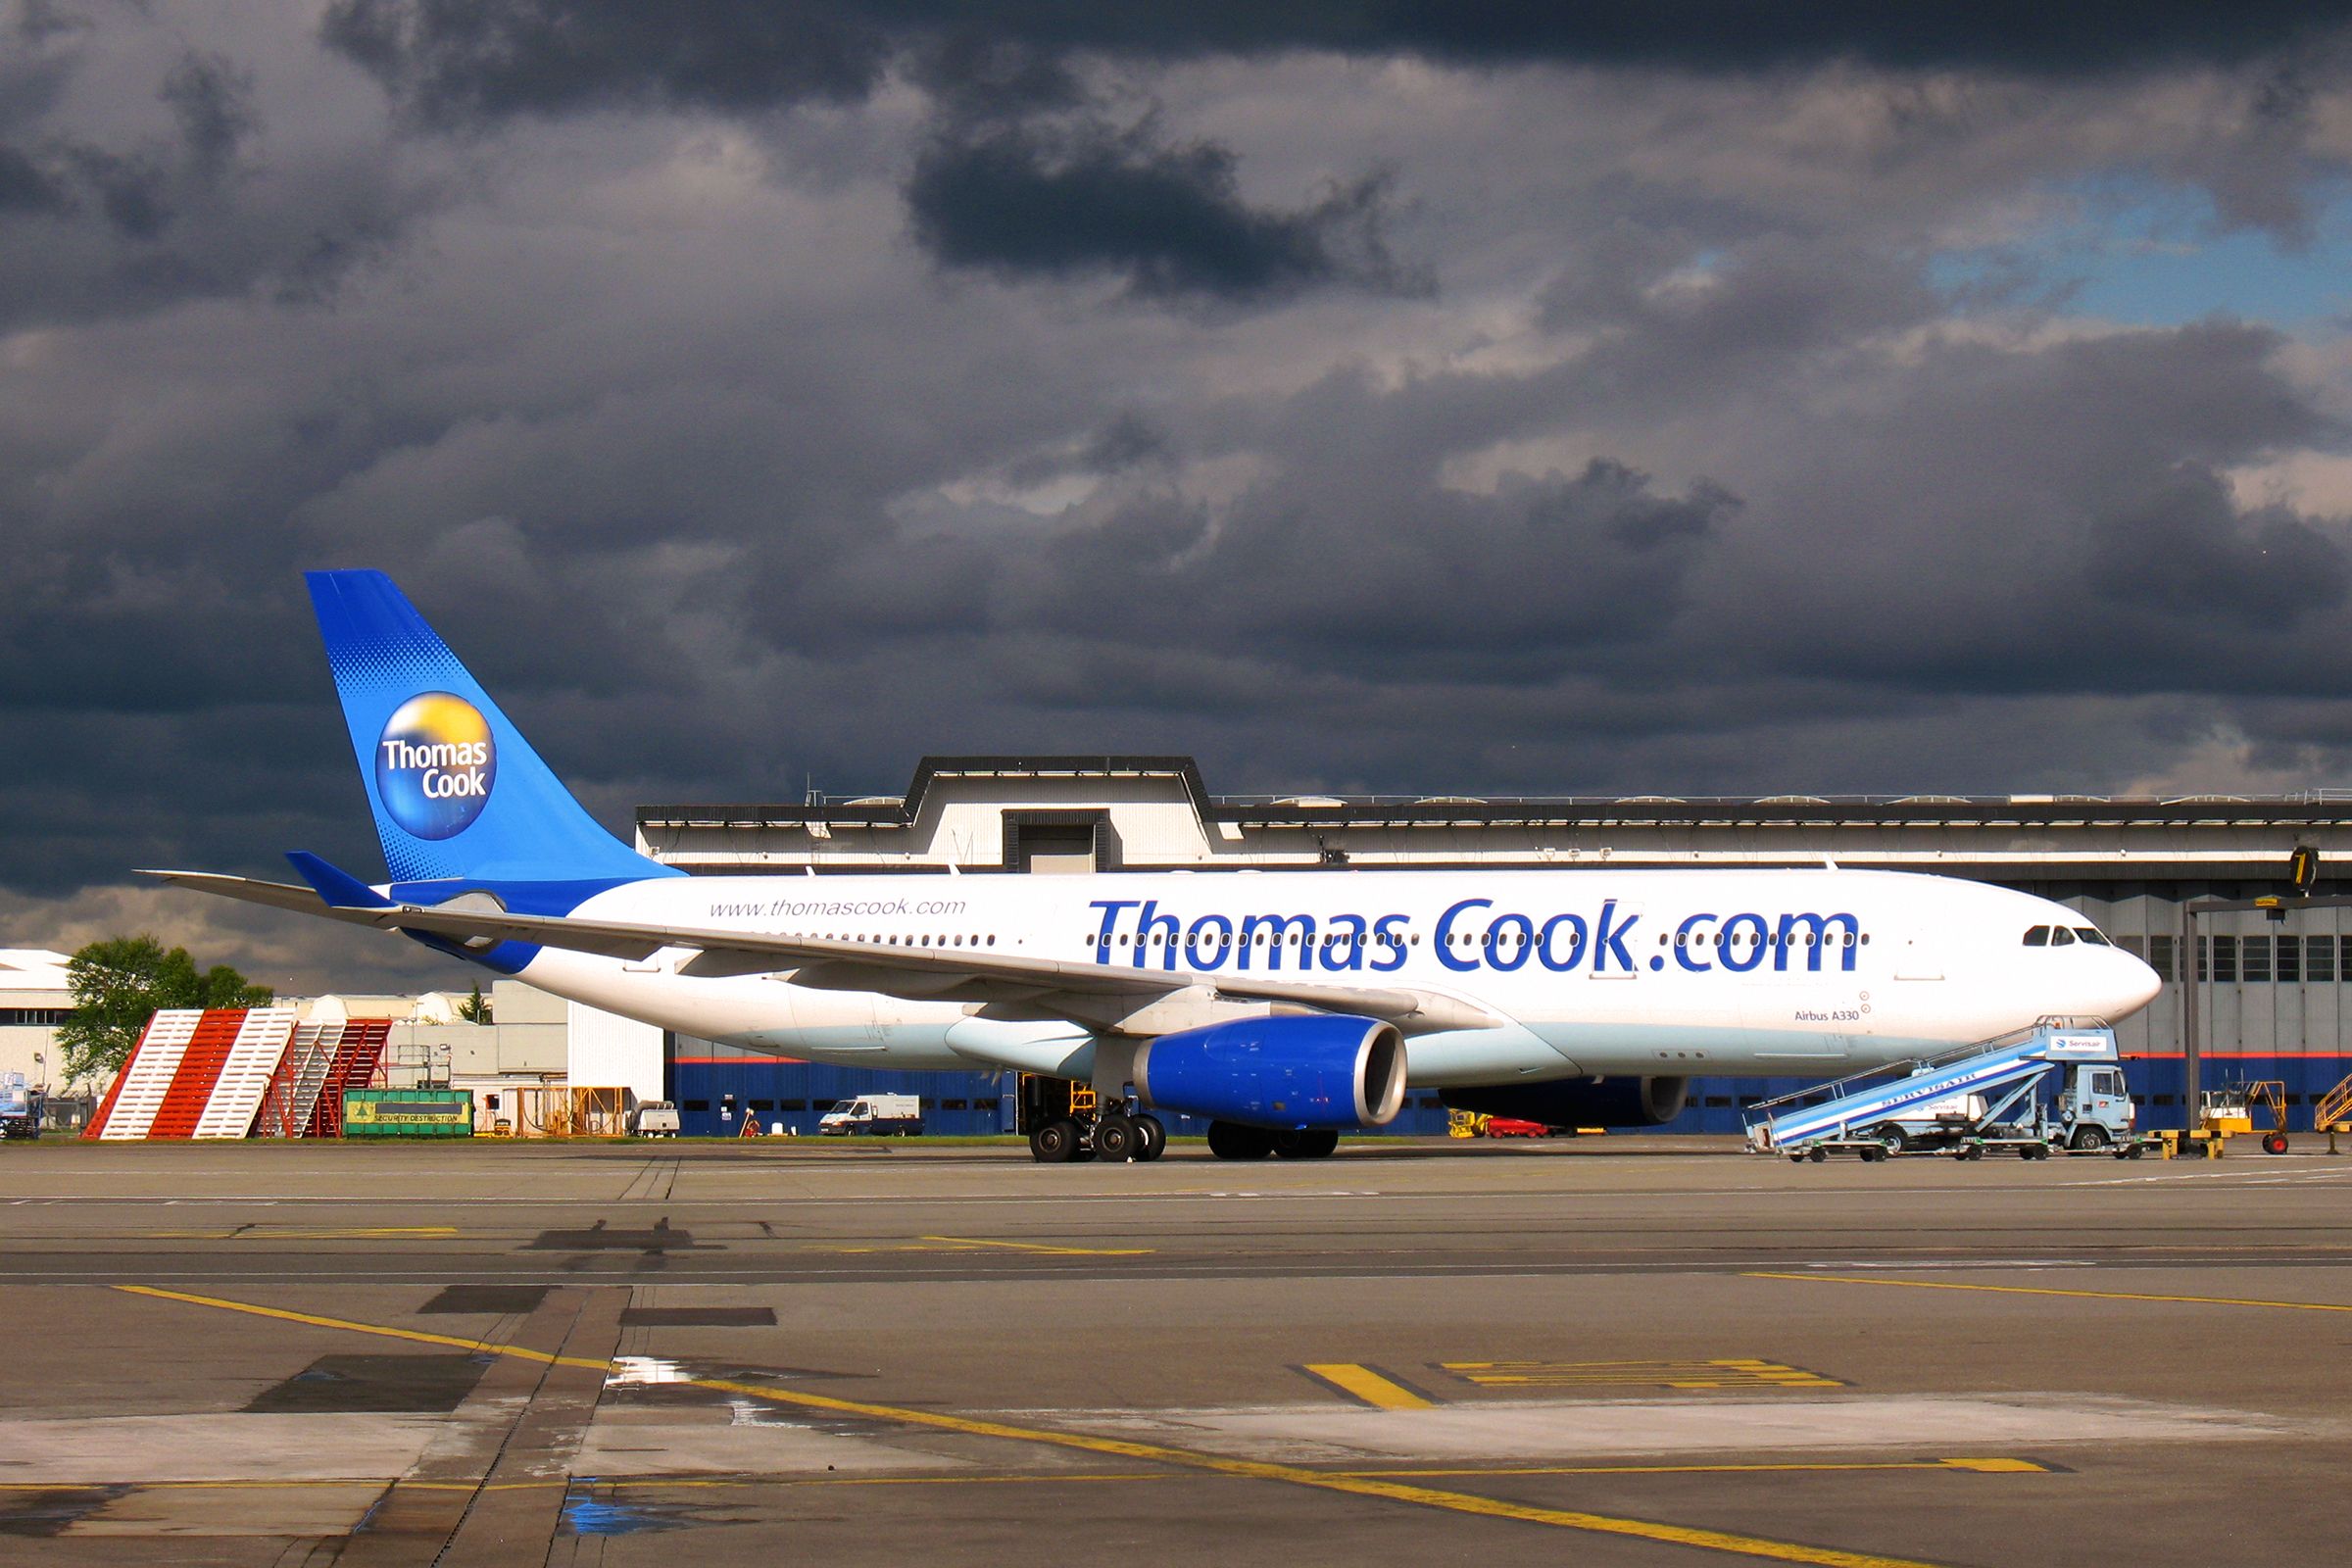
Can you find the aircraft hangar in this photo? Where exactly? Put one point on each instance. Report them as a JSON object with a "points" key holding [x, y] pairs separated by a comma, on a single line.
{"points": [[2271, 988]]}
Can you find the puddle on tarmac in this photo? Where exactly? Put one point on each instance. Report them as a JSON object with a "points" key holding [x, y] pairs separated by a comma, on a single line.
{"points": [[591, 1509], [648, 1378], [658, 1380]]}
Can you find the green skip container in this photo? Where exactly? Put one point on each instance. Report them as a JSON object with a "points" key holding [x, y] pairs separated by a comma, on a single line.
{"points": [[408, 1113]]}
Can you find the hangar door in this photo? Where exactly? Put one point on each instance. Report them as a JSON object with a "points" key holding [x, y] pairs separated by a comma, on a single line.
{"points": [[1059, 843]]}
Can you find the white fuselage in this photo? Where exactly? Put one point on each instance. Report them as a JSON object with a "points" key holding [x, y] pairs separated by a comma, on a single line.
{"points": [[1590, 971]]}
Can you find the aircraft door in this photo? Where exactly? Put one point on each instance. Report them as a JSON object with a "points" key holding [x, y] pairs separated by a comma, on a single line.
{"points": [[1919, 958]]}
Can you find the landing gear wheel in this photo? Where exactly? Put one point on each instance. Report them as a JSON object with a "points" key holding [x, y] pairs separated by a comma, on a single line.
{"points": [[1231, 1140], [2089, 1135], [1891, 1138], [1308, 1145], [1150, 1138], [1054, 1142], [2274, 1143], [1817, 1156], [1114, 1139]]}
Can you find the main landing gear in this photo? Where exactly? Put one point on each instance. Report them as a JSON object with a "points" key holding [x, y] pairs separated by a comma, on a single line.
{"points": [[1118, 1136], [1231, 1140]]}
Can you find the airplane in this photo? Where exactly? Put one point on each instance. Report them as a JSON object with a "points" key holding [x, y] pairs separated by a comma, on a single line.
{"points": [[1283, 1006]]}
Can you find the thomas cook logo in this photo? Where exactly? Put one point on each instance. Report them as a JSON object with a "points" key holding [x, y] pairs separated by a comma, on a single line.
{"points": [[435, 764]]}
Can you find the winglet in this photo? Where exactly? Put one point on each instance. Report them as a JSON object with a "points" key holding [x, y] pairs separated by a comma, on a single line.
{"points": [[339, 888]]}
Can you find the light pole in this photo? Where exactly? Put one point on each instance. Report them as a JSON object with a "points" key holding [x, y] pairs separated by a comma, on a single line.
{"points": [[2303, 872]]}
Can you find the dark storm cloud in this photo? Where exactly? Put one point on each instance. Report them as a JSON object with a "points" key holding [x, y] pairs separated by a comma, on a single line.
{"points": [[1701, 475], [26, 187], [2188, 553], [496, 57], [1168, 219], [211, 99], [96, 227], [1024, 178], [460, 57]]}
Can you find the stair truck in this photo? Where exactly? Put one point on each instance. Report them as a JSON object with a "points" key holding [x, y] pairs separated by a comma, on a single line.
{"points": [[1965, 1101]]}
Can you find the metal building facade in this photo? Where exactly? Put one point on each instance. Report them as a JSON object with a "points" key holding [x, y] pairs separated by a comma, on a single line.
{"points": [[2271, 992]]}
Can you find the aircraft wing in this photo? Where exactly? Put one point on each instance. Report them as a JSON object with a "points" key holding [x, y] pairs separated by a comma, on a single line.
{"points": [[1098, 996]]}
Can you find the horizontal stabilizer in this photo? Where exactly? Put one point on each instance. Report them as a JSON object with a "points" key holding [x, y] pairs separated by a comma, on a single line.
{"points": [[336, 886]]}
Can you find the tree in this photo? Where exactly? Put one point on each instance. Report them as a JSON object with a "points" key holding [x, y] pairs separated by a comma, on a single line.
{"points": [[119, 983], [476, 1008]]}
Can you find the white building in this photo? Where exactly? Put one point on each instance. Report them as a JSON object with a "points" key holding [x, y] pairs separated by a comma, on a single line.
{"points": [[35, 1000]]}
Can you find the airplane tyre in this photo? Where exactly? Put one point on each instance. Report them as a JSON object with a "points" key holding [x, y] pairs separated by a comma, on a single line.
{"points": [[1114, 1139], [1230, 1140], [1306, 1145], [1054, 1142], [1151, 1138]]}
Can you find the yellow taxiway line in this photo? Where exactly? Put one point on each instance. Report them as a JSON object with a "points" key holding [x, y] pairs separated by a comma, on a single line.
{"points": [[1359, 1382], [377, 1233], [1043, 1247], [1387, 1489], [2051, 1290]]}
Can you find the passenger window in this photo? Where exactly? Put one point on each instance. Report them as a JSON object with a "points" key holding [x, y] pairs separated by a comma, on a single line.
{"points": [[2038, 937], [2060, 937]]}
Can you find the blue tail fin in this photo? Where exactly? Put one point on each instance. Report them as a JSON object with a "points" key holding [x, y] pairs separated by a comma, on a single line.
{"points": [[456, 791]]}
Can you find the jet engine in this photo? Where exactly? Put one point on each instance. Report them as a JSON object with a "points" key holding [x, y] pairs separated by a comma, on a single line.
{"points": [[1318, 1070], [1579, 1102]]}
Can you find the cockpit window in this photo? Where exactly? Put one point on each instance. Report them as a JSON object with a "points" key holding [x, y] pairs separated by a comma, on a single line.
{"points": [[2091, 935], [2060, 937], [2038, 937]]}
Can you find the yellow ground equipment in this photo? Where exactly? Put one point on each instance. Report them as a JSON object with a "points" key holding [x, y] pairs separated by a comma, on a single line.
{"points": [[2332, 1113], [1465, 1124], [2231, 1109]]}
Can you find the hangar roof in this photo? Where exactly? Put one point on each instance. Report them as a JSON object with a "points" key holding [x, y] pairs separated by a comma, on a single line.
{"points": [[971, 812]]}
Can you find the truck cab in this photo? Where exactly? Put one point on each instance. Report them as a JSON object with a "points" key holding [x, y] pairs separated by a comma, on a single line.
{"points": [[2095, 1107]]}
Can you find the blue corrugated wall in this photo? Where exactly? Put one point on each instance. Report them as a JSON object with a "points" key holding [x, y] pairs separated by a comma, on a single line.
{"points": [[701, 1076]]}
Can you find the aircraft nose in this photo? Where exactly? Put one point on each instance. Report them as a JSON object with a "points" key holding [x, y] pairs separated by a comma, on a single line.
{"points": [[2136, 985]]}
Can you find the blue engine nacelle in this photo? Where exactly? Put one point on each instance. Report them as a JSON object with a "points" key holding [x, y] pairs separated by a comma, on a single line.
{"points": [[1313, 1070]]}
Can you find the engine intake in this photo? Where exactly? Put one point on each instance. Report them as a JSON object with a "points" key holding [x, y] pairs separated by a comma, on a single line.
{"points": [[1295, 1071], [1579, 1102]]}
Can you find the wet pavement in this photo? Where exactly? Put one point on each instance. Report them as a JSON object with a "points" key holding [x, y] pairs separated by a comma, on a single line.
{"points": [[1630, 1350]]}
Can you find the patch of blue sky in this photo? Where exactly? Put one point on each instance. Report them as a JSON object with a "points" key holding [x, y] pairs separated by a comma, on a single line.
{"points": [[2157, 254]]}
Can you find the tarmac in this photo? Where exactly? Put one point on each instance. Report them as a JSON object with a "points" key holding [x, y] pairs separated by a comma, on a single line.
{"points": [[1616, 1350]]}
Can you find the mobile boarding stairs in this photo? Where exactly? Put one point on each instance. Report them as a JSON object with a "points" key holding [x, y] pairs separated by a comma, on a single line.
{"points": [[1960, 1102]]}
